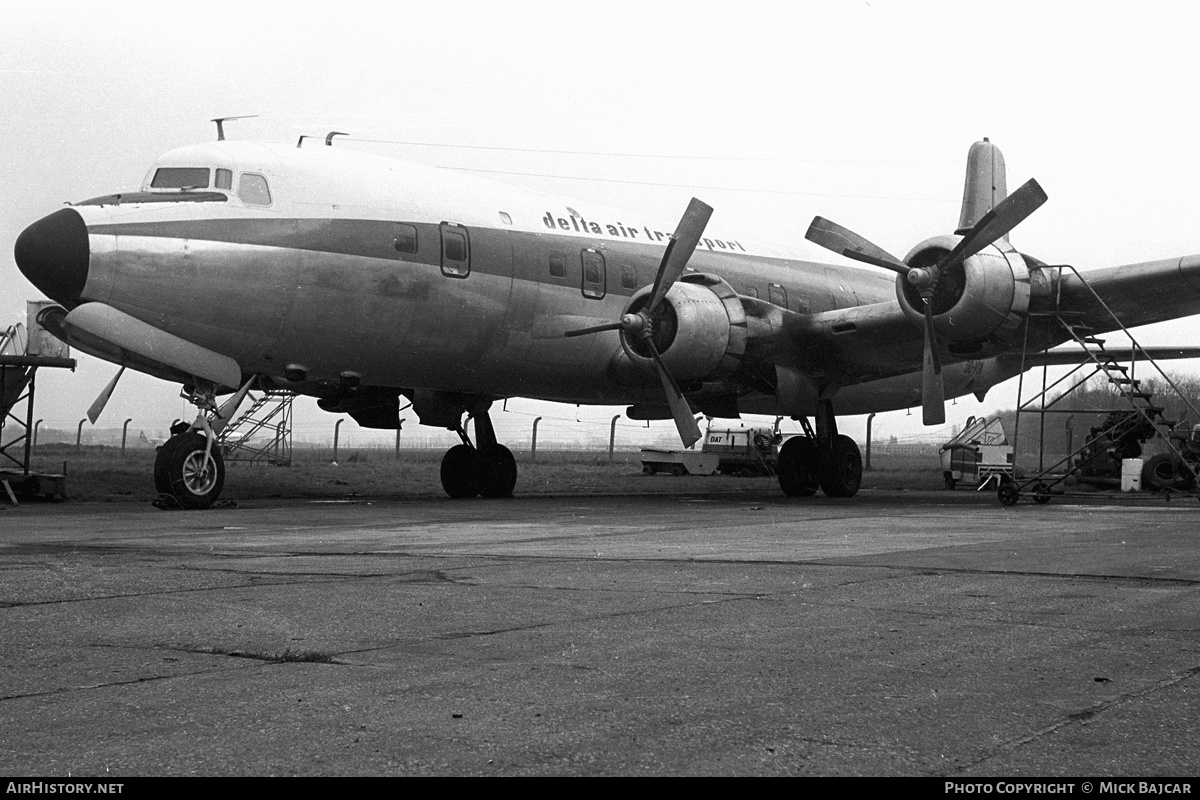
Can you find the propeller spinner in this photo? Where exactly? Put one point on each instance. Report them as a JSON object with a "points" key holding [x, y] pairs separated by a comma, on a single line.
{"points": [[640, 323], [992, 226]]}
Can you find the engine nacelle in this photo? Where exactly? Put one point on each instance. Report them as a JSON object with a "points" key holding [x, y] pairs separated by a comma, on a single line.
{"points": [[986, 297], [699, 329]]}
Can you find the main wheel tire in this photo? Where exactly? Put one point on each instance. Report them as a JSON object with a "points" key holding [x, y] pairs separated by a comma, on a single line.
{"points": [[495, 471], [192, 474], [796, 467], [458, 466], [841, 468]]}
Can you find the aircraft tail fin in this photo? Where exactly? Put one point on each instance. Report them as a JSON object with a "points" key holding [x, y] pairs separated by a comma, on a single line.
{"points": [[986, 184]]}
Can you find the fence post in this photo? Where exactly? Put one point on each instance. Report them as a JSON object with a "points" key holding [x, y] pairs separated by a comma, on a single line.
{"points": [[533, 444], [870, 417]]}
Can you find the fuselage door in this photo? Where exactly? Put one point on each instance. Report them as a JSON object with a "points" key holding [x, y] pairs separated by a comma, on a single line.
{"points": [[593, 273], [456, 251]]}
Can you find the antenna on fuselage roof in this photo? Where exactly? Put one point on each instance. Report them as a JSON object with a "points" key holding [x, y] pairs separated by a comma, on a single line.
{"points": [[221, 124], [328, 138]]}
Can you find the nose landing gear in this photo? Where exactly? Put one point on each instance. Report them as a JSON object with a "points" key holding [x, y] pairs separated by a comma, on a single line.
{"points": [[188, 467]]}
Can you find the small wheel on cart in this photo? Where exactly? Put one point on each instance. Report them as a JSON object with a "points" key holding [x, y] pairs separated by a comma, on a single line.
{"points": [[1008, 494], [1041, 493]]}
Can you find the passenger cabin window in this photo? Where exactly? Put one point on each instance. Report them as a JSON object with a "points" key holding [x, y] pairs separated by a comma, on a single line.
{"points": [[180, 178], [750, 291], [253, 190], [224, 179], [629, 276], [456, 251], [778, 295], [593, 274], [558, 265], [406, 238]]}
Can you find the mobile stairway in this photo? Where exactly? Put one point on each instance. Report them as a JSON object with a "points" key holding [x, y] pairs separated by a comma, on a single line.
{"points": [[19, 363], [263, 434], [1139, 418]]}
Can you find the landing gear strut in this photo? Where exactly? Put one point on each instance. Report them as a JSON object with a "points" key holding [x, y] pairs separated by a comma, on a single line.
{"points": [[823, 458], [487, 469]]}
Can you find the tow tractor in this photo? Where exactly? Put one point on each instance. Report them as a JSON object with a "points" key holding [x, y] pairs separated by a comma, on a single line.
{"points": [[730, 451]]}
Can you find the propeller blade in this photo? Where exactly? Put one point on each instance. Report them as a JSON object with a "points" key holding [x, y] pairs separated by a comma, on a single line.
{"points": [[846, 242], [229, 407], [993, 225], [679, 250], [608, 326], [933, 395], [97, 407], [685, 419]]}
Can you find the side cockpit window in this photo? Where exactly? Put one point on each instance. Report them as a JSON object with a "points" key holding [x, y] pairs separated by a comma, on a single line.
{"points": [[180, 178], [253, 190], [224, 179]]}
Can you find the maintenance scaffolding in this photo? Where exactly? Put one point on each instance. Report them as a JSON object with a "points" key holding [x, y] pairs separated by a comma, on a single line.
{"points": [[1140, 417]]}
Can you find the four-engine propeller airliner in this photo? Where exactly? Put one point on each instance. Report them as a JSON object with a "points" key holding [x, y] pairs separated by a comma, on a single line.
{"points": [[361, 280]]}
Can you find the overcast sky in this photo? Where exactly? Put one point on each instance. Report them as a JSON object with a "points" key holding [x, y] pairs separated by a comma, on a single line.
{"points": [[771, 112]]}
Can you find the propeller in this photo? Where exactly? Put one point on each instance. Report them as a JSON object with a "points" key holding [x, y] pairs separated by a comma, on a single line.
{"points": [[992, 226], [97, 407], [640, 323], [229, 407]]}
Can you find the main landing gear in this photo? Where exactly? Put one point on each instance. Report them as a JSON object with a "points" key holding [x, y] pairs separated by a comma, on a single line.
{"points": [[487, 469], [825, 459]]}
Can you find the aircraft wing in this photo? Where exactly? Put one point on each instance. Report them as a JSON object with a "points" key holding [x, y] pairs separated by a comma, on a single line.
{"points": [[1139, 294], [1070, 356]]}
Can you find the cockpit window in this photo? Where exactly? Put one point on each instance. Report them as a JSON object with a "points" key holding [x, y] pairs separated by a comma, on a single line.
{"points": [[180, 178], [224, 179], [253, 190]]}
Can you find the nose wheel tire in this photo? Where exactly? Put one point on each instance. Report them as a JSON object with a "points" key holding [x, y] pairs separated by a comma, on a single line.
{"points": [[186, 470]]}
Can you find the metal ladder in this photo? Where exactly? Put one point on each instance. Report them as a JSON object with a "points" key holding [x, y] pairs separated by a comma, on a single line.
{"points": [[270, 412]]}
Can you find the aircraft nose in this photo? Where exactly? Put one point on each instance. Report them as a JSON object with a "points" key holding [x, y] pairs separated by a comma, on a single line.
{"points": [[53, 254]]}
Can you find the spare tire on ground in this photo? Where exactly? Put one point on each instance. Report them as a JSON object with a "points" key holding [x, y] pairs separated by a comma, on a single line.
{"points": [[1166, 471]]}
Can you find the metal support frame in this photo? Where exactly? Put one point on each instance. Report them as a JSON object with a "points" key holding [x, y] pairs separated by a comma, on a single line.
{"points": [[270, 415], [1094, 360]]}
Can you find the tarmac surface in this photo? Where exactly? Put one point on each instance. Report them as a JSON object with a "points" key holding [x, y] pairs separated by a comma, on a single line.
{"points": [[897, 633]]}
